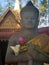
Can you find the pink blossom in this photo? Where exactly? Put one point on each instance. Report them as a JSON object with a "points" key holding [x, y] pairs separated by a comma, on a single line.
{"points": [[22, 40]]}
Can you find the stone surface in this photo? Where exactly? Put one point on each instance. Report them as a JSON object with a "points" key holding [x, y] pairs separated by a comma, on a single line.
{"points": [[29, 15]]}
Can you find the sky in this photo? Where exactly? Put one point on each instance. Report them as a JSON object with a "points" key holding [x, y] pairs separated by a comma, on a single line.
{"points": [[4, 2]]}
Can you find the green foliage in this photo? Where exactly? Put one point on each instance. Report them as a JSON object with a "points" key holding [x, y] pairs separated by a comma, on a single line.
{"points": [[0, 9], [42, 7], [34, 1]]}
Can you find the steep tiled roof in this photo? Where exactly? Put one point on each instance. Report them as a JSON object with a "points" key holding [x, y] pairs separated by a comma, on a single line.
{"points": [[6, 11], [6, 30]]}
